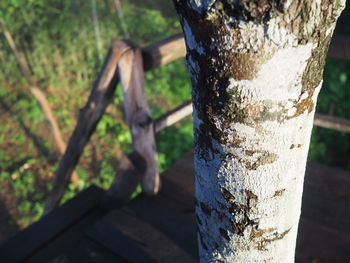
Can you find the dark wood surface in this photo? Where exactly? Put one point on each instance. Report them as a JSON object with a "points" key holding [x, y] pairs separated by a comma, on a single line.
{"points": [[165, 225], [163, 229], [41, 233], [324, 228]]}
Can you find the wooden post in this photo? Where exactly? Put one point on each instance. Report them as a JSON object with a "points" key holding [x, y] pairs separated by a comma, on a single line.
{"points": [[138, 116], [163, 52], [100, 97]]}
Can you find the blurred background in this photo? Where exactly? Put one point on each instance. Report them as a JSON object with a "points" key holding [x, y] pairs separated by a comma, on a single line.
{"points": [[64, 43]]}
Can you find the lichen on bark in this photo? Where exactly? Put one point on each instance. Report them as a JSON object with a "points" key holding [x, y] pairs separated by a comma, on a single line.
{"points": [[256, 69]]}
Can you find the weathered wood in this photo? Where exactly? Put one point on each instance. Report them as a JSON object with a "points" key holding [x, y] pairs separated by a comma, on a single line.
{"points": [[67, 244], [173, 116], [33, 238], [138, 116], [332, 122], [129, 174], [90, 251], [324, 227], [140, 240], [100, 97], [178, 183], [132, 166], [163, 52], [115, 240], [151, 229]]}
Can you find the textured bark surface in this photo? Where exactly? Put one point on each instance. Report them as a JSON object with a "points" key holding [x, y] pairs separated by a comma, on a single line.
{"points": [[256, 70]]}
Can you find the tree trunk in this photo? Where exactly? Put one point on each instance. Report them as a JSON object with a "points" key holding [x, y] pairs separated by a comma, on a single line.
{"points": [[256, 69]]}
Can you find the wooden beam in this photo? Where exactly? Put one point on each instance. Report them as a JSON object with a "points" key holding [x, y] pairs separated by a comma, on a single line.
{"points": [[173, 116], [35, 237], [138, 116], [100, 97], [331, 122], [163, 52]]}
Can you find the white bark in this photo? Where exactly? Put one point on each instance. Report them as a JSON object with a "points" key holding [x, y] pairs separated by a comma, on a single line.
{"points": [[256, 69]]}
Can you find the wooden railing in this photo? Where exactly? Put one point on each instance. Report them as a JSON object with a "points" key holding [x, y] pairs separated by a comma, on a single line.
{"points": [[126, 64]]}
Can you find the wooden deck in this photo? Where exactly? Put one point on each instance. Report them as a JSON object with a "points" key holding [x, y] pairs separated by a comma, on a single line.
{"points": [[163, 229]]}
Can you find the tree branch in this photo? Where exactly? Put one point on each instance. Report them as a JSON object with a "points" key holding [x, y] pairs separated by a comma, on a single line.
{"points": [[38, 94]]}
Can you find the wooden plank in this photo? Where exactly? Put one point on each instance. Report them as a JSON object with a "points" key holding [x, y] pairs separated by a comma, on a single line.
{"points": [[138, 116], [332, 122], [163, 52], [91, 252], [182, 172], [129, 174], [131, 169], [31, 239], [326, 197], [175, 220], [100, 97], [114, 239], [145, 229], [178, 181], [173, 116], [150, 229], [325, 217], [327, 179], [60, 246], [72, 245], [321, 243]]}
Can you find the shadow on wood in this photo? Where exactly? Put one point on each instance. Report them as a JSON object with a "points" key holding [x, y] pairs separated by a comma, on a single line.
{"points": [[163, 228]]}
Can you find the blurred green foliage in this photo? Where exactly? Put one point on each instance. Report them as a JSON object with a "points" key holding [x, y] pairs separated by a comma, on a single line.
{"points": [[58, 40]]}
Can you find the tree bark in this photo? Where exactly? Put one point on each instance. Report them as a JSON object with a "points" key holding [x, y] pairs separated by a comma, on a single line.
{"points": [[256, 69]]}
